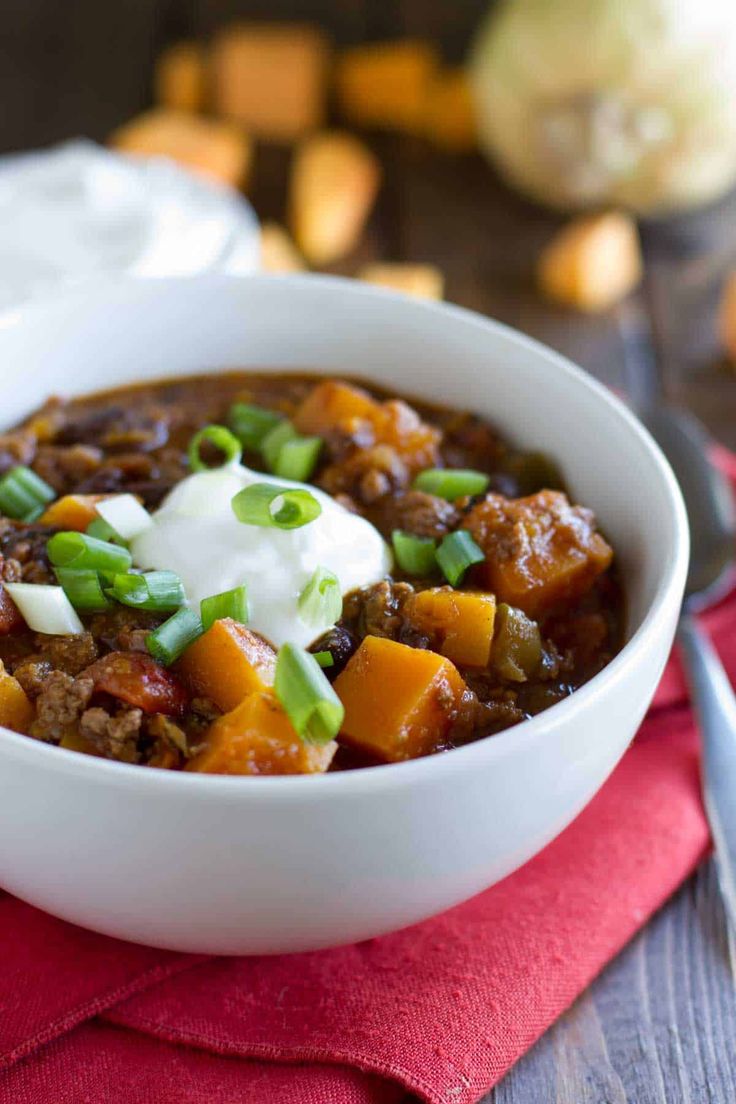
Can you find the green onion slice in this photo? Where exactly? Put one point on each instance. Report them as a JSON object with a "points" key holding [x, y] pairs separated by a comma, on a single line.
{"points": [[23, 494], [324, 659], [275, 440], [230, 603], [83, 588], [168, 641], [71, 549], [457, 552], [271, 506], [222, 439], [45, 609], [451, 483], [124, 516], [251, 424], [311, 704], [297, 458], [320, 602], [414, 555], [153, 590], [99, 528]]}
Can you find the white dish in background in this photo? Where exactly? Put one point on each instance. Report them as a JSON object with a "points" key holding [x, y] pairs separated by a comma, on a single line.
{"points": [[259, 865]]}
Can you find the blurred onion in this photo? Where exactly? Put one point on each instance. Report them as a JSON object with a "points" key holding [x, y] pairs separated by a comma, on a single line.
{"points": [[630, 102]]}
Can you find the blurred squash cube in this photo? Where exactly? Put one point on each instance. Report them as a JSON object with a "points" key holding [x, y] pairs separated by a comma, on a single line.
{"points": [[271, 78]]}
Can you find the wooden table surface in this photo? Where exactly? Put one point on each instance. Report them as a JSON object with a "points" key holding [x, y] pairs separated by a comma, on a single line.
{"points": [[659, 1025]]}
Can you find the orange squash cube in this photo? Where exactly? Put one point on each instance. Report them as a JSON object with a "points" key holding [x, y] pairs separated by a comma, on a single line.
{"points": [[180, 77], [72, 511], [214, 148], [399, 701], [16, 711], [257, 738], [227, 663], [332, 404], [334, 182], [386, 84], [539, 550], [592, 263], [278, 252], [727, 317], [423, 281], [450, 121], [271, 78], [460, 622]]}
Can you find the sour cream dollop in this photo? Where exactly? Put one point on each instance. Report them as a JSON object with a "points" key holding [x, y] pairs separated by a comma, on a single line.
{"points": [[196, 534]]}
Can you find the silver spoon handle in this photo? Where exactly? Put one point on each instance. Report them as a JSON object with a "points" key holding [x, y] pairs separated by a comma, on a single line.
{"points": [[715, 705]]}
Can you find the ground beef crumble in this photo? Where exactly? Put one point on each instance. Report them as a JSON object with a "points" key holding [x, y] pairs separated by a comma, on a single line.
{"points": [[60, 705], [113, 736]]}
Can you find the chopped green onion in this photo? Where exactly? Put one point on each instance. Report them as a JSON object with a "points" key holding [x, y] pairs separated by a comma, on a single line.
{"points": [[414, 555], [320, 602], [311, 704], [457, 552], [45, 609], [230, 603], [99, 528], [78, 550], [275, 440], [297, 458], [124, 515], [168, 641], [23, 494], [251, 424], [222, 439], [154, 590], [83, 588], [325, 659], [451, 483], [271, 506]]}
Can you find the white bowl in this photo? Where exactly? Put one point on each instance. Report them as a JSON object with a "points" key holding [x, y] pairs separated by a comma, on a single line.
{"points": [[241, 865]]}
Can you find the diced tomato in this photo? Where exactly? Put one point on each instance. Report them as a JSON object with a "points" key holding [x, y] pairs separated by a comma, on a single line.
{"points": [[10, 616], [139, 680]]}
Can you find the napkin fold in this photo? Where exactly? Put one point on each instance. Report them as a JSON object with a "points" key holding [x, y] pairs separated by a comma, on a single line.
{"points": [[442, 1009]]}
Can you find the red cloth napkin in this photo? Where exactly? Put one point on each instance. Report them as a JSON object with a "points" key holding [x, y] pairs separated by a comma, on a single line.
{"points": [[442, 1009]]}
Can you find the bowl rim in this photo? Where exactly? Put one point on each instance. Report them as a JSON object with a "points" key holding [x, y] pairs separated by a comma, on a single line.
{"points": [[348, 783]]}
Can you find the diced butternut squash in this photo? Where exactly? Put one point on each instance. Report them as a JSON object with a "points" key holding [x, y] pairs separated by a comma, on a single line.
{"points": [[386, 84], [278, 252], [227, 663], [539, 550], [332, 404], [72, 511], [271, 78], [450, 113], [75, 741], [214, 148], [340, 406], [423, 281], [334, 181], [399, 701], [180, 77], [16, 711], [727, 317], [257, 738], [458, 623], [592, 263]]}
